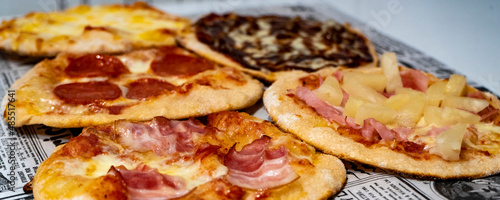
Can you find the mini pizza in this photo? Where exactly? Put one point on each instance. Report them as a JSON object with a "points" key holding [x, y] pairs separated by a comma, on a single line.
{"points": [[393, 118], [78, 90], [269, 46], [90, 29], [233, 156]]}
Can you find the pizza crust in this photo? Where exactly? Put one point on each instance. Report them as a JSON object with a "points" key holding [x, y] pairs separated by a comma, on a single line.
{"points": [[188, 40], [36, 102], [118, 30], [315, 130]]}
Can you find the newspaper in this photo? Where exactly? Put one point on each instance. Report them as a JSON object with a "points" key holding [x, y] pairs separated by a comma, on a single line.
{"points": [[23, 149]]}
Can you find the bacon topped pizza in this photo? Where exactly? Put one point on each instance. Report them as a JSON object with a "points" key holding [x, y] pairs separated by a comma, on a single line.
{"points": [[394, 118], [233, 156], [77, 90], [90, 29], [269, 46]]}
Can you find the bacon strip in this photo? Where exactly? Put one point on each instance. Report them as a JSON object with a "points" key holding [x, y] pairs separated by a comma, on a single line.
{"points": [[258, 167], [162, 136], [144, 182]]}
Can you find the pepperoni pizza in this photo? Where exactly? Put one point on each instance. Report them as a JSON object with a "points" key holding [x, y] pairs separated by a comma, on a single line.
{"points": [[392, 117], [77, 90], [270, 46], [233, 156], [90, 29]]}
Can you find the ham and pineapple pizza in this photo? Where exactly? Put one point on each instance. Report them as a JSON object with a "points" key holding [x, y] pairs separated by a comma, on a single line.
{"points": [[77, 90], [392, 117], [269, 46], [90, 29], [232, 156]]}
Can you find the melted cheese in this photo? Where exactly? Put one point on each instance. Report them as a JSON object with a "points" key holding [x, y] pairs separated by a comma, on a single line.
{"points": [[193, 172], [136, 24], [72, 22]]}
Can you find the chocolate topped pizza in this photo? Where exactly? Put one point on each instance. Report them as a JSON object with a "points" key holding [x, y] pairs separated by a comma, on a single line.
{"points": [[266, 46]]}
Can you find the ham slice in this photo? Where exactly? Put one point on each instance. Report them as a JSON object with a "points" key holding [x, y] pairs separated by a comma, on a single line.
{"points": [[402, 133], [162, 136], [373, 131], [339, 75], [326, 110], [476, 95], [414, 79], [435, 131], [258, 167], [145, 182], [488, 113]]}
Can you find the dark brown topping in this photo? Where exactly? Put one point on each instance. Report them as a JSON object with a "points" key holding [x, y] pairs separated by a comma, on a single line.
{"points": [[282, 43], [87, 92], [93, 65]]}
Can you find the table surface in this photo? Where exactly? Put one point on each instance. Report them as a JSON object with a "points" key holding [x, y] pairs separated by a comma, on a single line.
{"points": [[464, 35]]}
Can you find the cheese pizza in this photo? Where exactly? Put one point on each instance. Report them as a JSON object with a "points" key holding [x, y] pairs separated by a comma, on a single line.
{"points": [[77, 90], [392, 117], [90, 29], [269, 46], [233, 156]]}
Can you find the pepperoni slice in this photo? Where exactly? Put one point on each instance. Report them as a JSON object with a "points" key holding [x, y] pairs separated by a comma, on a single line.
{"points": [[179, 65], [145, 88], [87, 92], [93, 65]]}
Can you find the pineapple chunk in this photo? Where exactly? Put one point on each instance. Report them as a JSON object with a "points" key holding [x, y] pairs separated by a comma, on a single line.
{"points": [[449, 116], [330, 91], [465, 103], [433, 115], [453, 116], [397, 101], [448, 144], [379, 112], [389, 64], [352, 105], [409, 91], [456, 85], [409, 114], [357, 89], [375, 81], [435, 93]]}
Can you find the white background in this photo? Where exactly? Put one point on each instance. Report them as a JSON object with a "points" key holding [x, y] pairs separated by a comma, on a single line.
{"points": [[465, 35]]}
